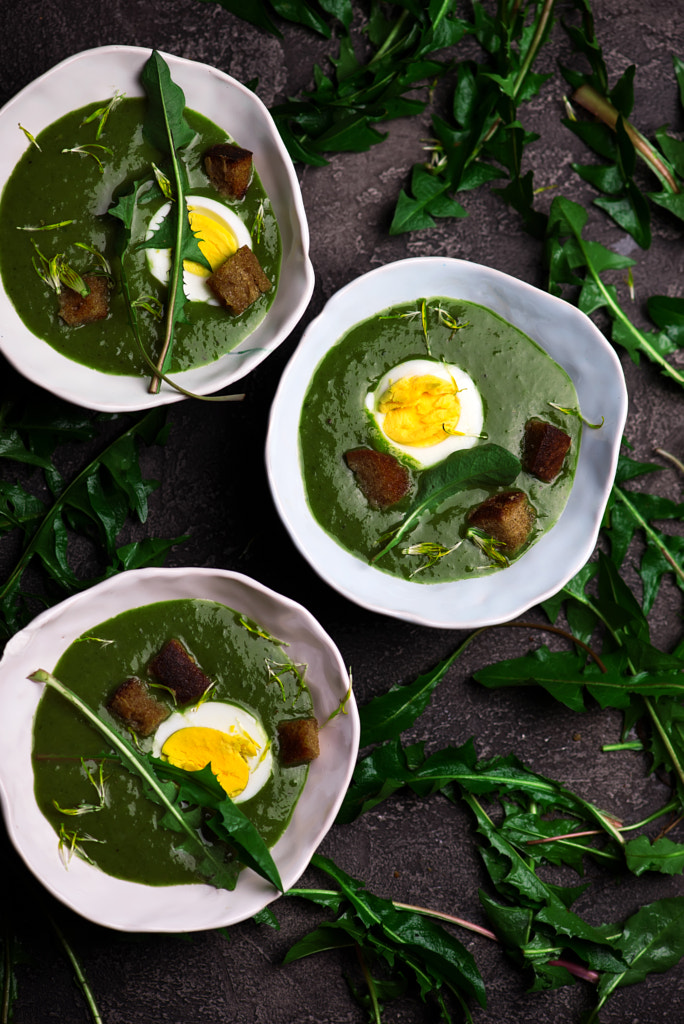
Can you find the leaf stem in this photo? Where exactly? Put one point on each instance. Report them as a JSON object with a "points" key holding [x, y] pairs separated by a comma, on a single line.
{"points": [[542, 22], [7, 975], [528, 60], [450, 918], [389, 41], [78, 972], [618, 314], [601, 107], [672, 458], [650, 532], [370, 984], [50, 515], [677, 766]]}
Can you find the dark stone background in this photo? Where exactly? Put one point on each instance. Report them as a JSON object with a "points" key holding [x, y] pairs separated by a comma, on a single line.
{"points": [[213, 487]]}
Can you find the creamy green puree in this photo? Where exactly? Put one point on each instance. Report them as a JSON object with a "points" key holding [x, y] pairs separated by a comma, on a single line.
{"points": [[516, 379], [49, 186], [132, 844]]}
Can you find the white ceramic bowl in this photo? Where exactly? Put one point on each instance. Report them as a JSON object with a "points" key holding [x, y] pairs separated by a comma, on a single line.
{"points": [[95, 75], [130, 906], [567, 335]]}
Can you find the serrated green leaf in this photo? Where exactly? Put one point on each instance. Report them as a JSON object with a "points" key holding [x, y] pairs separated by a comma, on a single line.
{"points": [[662, 855]]}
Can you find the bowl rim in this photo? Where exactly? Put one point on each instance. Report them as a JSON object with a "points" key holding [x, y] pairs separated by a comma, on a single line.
{"points": [[132, 906], [44, 100], [463, 604]]}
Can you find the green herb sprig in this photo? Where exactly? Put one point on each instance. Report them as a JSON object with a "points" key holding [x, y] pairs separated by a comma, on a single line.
{"points": [[96, 503]]}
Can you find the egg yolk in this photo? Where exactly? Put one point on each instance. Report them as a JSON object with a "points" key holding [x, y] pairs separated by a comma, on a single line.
{"points": [[216, 240], [420, 411], [197, 746]]}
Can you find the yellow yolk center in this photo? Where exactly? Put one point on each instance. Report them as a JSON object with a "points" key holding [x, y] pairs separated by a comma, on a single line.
{"points": [[197, 746], [216, 240], [420, 411]]}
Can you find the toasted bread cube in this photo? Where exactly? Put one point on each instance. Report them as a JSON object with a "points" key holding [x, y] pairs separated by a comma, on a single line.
{"points": [[179, 672], [382, 478], [507, 517], [76, 309], [544, 449], [136, 706], [239, 281], [298, 740], [229, 168]]}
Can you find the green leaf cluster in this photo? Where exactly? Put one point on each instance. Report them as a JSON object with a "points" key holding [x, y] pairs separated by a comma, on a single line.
{"points": [[341, 111], [528, 822], [579, 262], [415, 952], [618, 143], [312, 14], [631, 674], [94, 504], [484, 139]]}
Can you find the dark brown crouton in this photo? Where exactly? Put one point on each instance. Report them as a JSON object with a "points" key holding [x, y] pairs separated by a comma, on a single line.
{"points": [[507, 517], [239, 281], [381, 476], [229, 168], [77, 309], [544, 448], [178, 670], [298, 741], [136, 706]]}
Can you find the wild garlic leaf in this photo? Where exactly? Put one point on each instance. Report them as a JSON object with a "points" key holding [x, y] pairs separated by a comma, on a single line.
{"points": [[511, 872], [429, 200], [631, 511], [487, 465]]}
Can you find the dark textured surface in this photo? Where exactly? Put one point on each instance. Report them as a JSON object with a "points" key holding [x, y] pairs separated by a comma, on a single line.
{"points": [[214, 489]]}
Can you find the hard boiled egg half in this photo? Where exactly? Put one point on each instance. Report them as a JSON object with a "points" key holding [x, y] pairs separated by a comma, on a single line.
{"points": [[225, 736], [427, 409], [220, 233]]}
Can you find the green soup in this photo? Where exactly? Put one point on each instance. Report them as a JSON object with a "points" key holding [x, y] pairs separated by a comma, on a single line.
{"points": [[251, 671], [72, 181], [516, 380]]}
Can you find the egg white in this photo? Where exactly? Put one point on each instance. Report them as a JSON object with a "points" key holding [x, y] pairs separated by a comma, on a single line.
{"points": [[230, 719], [159, 260], [471, 420]]}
